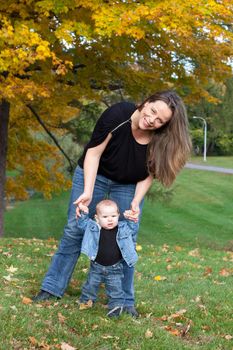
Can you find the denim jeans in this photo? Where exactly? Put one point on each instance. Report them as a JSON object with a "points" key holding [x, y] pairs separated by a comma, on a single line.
{"points": [[111, 276], [64, 260]]}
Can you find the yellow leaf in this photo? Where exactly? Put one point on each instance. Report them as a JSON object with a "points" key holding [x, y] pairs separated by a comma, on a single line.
{"points": [[138, 248], [160, 278]]}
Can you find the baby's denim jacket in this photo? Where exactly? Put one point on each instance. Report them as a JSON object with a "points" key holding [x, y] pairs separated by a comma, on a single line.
{"points": [[127, 229]]}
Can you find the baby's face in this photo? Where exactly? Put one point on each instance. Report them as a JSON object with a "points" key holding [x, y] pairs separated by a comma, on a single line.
{"points": [[107, 217]]}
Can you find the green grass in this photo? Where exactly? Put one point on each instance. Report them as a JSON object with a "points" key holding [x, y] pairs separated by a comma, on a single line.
{"points": [[196, 291], [226, 162], [188, 242], [37, 217]]}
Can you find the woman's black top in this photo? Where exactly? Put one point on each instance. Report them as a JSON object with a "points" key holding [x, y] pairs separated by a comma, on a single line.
{"points": [[124, 159]]}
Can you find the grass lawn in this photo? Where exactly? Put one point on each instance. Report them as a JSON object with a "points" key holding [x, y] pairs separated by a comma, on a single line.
{"points": [[183, 281], [225, 162]]}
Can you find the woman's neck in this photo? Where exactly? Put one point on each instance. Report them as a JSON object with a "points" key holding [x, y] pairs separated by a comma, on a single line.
{"points": [[141, 136]]}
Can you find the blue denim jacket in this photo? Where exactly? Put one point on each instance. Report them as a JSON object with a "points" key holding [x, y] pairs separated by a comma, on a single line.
{"points": [[126, 230]]}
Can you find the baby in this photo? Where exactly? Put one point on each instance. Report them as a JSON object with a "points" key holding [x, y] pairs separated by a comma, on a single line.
{"points": [[107, 242]]}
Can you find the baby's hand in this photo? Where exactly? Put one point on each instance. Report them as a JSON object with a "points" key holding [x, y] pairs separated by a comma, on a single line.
{"points": [[131, 215], [83, 208]]}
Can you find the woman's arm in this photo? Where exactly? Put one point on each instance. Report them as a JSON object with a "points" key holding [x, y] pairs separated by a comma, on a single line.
{"points": [[141, 189], [90, 167]]}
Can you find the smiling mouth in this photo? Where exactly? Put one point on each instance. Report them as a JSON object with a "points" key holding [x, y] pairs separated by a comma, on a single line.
{"points": [[147, 124]]}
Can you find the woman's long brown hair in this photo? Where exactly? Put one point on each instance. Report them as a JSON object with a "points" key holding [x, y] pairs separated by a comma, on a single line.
{"points": [[170, 146]]}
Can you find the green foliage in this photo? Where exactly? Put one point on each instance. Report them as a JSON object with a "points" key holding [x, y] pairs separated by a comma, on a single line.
{"points": [[82, 126], [159, 193], [219, 117], [224, 143]]}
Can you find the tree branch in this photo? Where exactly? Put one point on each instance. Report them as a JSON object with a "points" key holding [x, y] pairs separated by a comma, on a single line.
{"points": [[71, 162]]}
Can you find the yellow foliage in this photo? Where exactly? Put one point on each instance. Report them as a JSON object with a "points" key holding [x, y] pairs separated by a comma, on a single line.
{"points": [[55, 52]]}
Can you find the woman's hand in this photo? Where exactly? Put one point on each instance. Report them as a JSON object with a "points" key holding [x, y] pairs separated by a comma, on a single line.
{"points": [[135, 207], [130, 215], [84, 199]]}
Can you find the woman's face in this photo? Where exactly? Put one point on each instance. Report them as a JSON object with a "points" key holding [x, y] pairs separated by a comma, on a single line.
{"points": [[154, 115]]}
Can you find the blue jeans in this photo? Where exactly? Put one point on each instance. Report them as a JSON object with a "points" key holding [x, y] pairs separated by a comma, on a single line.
{"points": [[111, 276], [64, 260]]}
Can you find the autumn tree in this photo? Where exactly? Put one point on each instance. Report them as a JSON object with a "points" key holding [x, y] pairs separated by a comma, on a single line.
{"points": [[55, 53]]}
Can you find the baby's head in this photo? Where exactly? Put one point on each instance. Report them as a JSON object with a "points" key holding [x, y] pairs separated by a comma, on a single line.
{"points": [[107, 214]]}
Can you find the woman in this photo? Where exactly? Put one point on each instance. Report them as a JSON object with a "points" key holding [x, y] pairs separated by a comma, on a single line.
{"points": [[129, 147]]}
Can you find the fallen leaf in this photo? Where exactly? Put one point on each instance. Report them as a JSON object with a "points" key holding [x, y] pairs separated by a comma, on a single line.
{"points": [[14, 308], [168, 260], [163, 318], [12, 269], [138, 248], [108, 336], [65, 346], [173, 331], [26, 300], [148, 334], [225, 272], [7, 254], [87, 305], [178, 314], [208, 271], [165, 248], [178, 248], [7, 278], [44, 346], [33, 340], [195, 252], [61, 318], [205, 328], [186, 329], [198, 299], [228, 337], [160, 278], [217, 282]]}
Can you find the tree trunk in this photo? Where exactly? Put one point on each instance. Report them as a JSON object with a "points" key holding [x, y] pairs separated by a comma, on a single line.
{"points": [[4, 121]]}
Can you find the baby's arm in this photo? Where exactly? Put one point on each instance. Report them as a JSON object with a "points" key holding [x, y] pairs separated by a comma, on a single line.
{"points": [[83, 219], [132, 223], [83, 208]]}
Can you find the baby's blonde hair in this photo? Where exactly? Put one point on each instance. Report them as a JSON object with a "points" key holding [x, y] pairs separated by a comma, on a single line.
{"points": [[106, 202]]}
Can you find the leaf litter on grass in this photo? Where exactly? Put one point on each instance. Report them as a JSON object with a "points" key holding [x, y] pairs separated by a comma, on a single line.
{"points": [[183, 323]]}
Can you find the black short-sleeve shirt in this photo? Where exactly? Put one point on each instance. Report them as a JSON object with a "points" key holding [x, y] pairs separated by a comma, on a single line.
{"points": [[108, 251], [124, 159]]}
